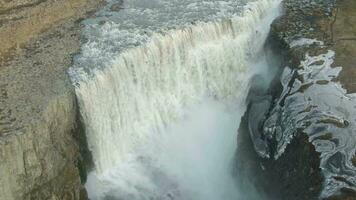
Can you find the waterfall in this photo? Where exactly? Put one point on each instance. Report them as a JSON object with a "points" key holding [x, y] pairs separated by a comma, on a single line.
{"points": [[129, 106]]}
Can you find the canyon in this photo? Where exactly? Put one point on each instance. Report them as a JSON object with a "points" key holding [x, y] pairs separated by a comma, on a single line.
{"points": [[44, 151]]}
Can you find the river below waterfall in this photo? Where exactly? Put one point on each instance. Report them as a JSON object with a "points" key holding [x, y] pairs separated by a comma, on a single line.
{"points": [[161, 86]]}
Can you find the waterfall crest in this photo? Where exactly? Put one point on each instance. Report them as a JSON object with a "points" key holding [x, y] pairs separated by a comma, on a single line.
{"points": [[144, 89]]}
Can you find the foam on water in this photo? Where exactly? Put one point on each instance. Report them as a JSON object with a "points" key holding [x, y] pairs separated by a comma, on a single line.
{"points": [[161, 86], [191, 160]]}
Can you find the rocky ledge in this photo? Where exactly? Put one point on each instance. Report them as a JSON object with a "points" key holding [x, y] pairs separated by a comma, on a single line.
{"points": [[298, 138], [39, 134]]}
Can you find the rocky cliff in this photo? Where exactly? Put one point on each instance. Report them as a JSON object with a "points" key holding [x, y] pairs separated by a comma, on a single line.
{"points": [[39, 135], [298, 139]]}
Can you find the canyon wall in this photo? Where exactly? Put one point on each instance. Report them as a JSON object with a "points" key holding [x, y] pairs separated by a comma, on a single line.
{"points": [[40, 139], [303, 144]]}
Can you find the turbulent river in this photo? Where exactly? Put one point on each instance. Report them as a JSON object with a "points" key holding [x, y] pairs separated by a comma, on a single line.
{"points": [[161, 86]]}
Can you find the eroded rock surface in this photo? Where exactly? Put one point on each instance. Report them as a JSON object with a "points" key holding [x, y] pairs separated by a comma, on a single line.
{"points": [[39, 153], [314, 105]]}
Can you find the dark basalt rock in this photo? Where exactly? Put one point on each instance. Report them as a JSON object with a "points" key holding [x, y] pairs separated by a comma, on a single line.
{"points": [[301, 144], [295, 175], [117, 6]]}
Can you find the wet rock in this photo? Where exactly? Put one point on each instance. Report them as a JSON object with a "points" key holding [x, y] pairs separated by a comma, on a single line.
{"points": [[310, 130], [117, 6]]}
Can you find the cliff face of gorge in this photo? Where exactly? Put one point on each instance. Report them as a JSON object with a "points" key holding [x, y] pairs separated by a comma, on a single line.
{"points": [[39, 135], [304, 144]]}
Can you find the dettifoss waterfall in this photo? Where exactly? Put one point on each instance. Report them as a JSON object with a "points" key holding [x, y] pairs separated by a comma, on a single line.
{"points": [[161, 86]]}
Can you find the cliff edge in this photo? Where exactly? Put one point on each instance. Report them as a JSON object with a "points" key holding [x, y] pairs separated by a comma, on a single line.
{"points": [[39, 151], [301, 144]]}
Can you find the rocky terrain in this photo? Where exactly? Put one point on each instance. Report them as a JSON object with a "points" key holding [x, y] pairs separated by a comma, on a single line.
{"points": [[39, 134], [303, 145]]}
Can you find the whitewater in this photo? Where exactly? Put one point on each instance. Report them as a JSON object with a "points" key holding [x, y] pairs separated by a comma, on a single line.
{"points": [[161, 87]]}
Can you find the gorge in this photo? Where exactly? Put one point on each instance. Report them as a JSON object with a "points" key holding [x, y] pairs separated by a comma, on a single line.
{"points": [[183, 100]]}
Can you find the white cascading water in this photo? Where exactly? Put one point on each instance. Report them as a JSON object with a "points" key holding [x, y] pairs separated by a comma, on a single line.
{"points": [[161, 118]]}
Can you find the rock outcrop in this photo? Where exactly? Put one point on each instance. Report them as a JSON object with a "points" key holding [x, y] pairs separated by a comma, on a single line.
{"points": [[304, 144], [39, 134]]}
